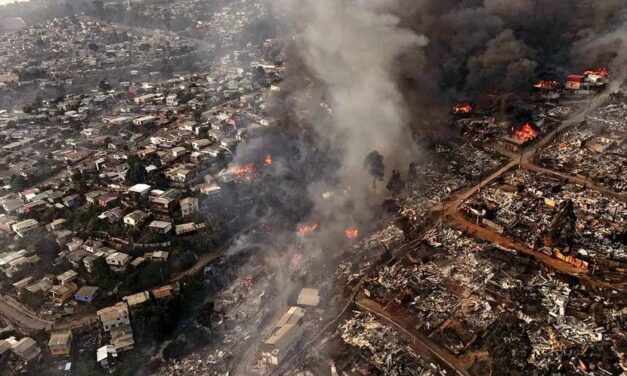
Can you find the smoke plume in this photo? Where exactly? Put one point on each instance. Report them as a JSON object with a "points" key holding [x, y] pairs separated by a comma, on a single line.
{"points": [[371, 75], [352, 49], [365, 78], [504, 45]]}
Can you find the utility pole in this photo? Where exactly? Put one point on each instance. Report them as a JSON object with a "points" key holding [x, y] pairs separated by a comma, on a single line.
{"points": [[442, 216], [480, 177]]}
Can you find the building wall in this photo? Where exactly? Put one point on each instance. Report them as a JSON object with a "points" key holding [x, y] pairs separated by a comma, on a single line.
{"points": [[59, 350], [82, 298], [115, 323]]}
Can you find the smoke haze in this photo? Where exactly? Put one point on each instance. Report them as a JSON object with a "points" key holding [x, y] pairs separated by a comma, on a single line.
{"points": [[372, 75]]}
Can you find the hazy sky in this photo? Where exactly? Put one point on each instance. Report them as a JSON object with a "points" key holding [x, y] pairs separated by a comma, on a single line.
{"points": [[2, 2]]}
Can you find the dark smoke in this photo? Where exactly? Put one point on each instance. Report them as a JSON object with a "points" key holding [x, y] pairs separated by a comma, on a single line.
{"points": [[366, 75], [365, 79], [504, 45]]}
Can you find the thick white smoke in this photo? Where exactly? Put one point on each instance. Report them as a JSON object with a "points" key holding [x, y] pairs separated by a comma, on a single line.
{"points": [[352, 47]]}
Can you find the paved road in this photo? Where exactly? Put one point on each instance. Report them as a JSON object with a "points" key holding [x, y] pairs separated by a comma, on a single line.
{"points": [[21, 318], [206, 258]]}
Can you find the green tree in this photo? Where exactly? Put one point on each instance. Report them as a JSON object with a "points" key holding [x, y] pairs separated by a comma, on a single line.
{"points": [[101, 275], [32, 300], [136, 172], [18, 182], [146, 276]]}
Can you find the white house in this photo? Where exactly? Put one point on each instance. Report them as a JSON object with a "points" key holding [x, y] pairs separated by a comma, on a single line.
{"points": [[114, 316], [118, 261]]}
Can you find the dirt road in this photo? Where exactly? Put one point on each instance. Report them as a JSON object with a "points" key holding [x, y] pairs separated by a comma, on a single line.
{"points": [[416, 340]]}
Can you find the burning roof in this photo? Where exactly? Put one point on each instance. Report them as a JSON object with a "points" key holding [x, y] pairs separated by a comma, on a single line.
{"points": [[351, 233], [462, 108], [267, 161], [246, 172], [303, 229], [250, 172], [575, 78], [598, 72], [546, 85], [526, 132]]}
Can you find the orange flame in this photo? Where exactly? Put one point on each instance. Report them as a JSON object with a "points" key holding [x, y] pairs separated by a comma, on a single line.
{"points": [[599, 72], [267, 161], [247, 282], [546, 84], [245, 169], [246, 172], [526, 133], [305, 229], [462, 108], [351, 233]]}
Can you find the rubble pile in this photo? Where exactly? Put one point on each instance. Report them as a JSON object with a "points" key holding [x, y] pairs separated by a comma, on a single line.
{"points": [[547, 350], [242, 301], [477, 313], [527, 203], [469, 296], [432, 289], [508, 344], [469, 161], [389, 237], [433, 309], [595, 149], [555, 294], [428, 185], [567, 339], [480, 131], [577, 331], [611, 117], [556, 336], [395, 277], [199, 364], [451, 241], [349, 272], [383, 348], [560, 112]]}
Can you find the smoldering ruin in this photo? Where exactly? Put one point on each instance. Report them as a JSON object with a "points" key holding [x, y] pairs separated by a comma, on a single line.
{"points": [[370, 143], [329, 187]]}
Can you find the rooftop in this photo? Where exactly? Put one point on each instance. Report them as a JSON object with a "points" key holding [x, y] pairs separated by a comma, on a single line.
{"points": [[60, 338], [309, 297], [139, 188], [113, 312]]}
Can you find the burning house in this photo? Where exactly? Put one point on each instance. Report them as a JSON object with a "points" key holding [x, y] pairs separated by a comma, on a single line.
{"points": [[520, 136], [592, 79], [462, 109], [546, 85], [303, 229]]}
